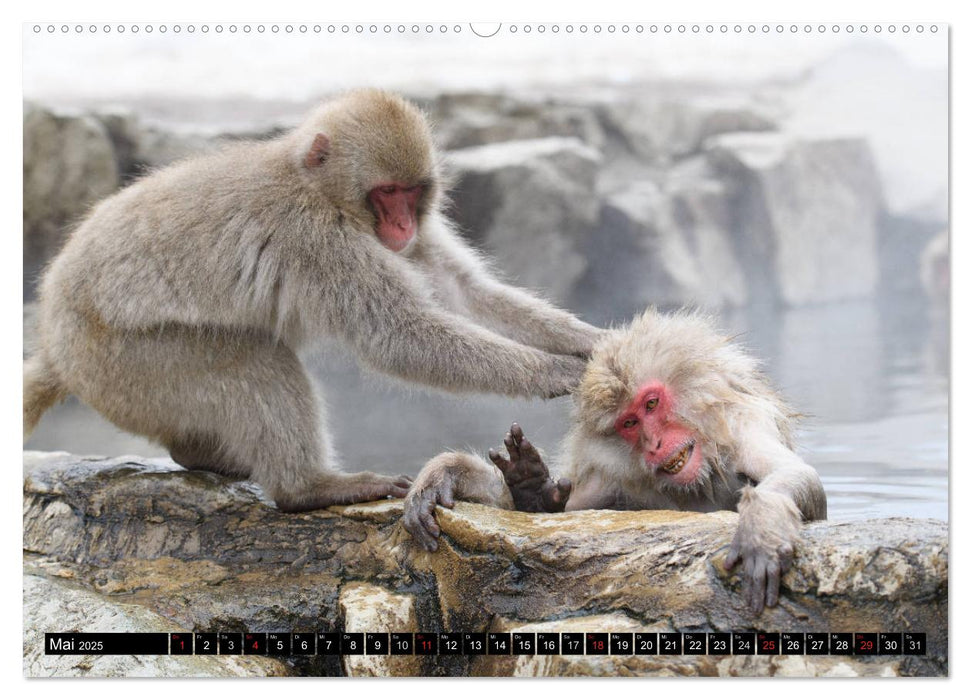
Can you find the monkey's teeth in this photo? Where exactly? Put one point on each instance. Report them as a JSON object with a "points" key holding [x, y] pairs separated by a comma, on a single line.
{"points": [[677, 464]]}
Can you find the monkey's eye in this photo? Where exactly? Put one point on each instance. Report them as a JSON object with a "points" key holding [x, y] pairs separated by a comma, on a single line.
{"points": [[387, 189], [651, 404], [630, 422], [417, 189]]}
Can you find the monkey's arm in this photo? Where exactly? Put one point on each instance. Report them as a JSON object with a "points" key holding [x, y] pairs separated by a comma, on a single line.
{"points": [[508, 310], [788, 491], [377, 303], [777, 469], [444, 479]]}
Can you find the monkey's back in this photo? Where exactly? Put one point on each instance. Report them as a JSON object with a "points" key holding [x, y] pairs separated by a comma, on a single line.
{"points": [[172, 247]]}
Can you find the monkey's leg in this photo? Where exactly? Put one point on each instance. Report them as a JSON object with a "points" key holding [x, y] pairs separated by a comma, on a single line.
{"points": [[272, 424], [235, 403]]}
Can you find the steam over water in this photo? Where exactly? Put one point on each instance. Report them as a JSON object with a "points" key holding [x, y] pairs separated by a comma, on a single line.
{"points": [[872, 379]]}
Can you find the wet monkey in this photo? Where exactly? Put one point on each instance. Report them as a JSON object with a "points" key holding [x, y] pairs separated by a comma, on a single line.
{"points": [[669, 415], [177, 308]]}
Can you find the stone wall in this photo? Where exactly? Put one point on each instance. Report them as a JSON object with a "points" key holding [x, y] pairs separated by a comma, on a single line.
{"points": [[142, 545]]}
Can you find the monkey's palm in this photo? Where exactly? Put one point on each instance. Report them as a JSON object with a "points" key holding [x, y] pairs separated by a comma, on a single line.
{"points": [[528, 479]]}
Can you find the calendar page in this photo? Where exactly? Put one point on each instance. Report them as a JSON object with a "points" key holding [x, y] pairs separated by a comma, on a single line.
{"points": [[468, 349]]}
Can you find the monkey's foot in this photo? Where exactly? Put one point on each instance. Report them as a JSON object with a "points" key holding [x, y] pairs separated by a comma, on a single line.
{"points": [[527, 476], [344, 489], [419, 516]]}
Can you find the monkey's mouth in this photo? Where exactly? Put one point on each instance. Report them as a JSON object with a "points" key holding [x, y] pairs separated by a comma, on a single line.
{"points": [[677, 462]]}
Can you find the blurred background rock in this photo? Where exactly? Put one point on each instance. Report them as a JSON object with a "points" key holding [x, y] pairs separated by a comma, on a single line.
{"points": [[797, 186]]}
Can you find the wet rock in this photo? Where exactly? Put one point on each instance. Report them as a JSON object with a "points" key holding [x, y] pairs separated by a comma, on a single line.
{"points": [[935, 270], [806, 214], [50, 605], [158, 148], [204, 553], [462, 120], [668, 129], [367, 608], [124, 131], [530, 204], [139, 148], [903, 239], [69, 164], [627, 665], [668, 242]]}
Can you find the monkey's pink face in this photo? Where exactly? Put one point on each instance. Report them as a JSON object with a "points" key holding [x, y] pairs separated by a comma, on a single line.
{"points": [[670, 449], [396, 207]]}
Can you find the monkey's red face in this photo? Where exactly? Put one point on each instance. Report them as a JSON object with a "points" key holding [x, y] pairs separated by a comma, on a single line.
{"points": [[670, 449], [396, 207]]}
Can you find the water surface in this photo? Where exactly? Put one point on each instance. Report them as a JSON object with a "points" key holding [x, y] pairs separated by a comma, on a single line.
{"points": [[871, 378]]}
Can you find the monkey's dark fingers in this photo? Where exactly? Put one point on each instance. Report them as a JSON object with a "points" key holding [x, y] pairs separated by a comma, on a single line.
{"points": [[748, 577], [774, 572], [532, 461], [400, 487], [501, 462], [756, 598], [415, 508], [558, 495], [446, 495], [419, 517], [516, 432], [732, 558], [430, 525], [512, 447]]}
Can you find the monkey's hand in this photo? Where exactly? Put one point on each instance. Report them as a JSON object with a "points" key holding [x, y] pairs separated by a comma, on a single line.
{"points": [[768, 528], [432, 488], [589, 338], [562, 377], [527, 477]]}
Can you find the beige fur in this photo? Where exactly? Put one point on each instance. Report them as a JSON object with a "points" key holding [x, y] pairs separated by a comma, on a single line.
{"points": [[176, 308]]}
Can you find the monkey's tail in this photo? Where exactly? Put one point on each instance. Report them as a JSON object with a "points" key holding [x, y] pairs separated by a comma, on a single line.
{"points": [[41, 391]]}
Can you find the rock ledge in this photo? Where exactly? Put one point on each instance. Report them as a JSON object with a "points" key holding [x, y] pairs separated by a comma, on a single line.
{"points": [[130, 544]]}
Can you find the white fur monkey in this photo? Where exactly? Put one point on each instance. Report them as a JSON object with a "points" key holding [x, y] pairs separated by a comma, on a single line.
{"points": [[177, 306], [669, 415]]}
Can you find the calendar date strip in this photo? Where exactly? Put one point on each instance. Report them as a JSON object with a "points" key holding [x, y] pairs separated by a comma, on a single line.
{"points": [[487, 643]]}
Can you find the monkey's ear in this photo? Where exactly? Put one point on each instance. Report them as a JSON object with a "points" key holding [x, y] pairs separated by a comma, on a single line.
{"points": [[319, 150]]}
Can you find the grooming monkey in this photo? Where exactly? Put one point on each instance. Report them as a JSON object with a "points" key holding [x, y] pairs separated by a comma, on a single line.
{"points": [[669, 415], [177, 307]]}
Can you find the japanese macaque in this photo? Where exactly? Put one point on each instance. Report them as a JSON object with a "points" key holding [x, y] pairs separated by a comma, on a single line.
{"points": [[176, 309], [669, 415]]}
